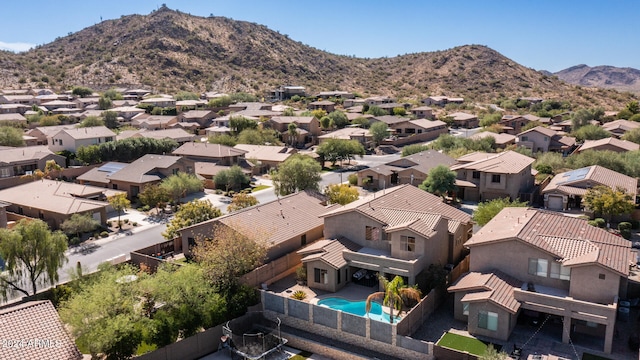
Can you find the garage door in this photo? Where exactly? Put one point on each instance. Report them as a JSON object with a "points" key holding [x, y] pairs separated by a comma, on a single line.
{"points": [[555, 203]]}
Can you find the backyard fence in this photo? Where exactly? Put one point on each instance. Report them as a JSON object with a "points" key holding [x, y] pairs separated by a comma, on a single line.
{"points": [[273, 271]]}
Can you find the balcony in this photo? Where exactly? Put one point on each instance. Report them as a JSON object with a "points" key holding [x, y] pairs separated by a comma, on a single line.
{"points": [[381, 261]]}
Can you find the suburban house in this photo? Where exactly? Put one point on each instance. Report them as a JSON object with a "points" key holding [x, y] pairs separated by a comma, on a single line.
{"points": [[59, 104], [412, 169], [399, 231], [506, 174], [13, 109], [335, 94], [441, 100], [326, 105], [136, 94], [178, 135], [24, 160], [99, 176], [542, 139], [38, 331], [147, 170], [513, 124], [159, 102], [43, 133], [202, 117], [566, 190], [127, 112], [379, 100], [308, 128], [23, 99], [287, 224], [502, 140], [356, 102], [153, 122], [72, 139], [348, 133], [422, 112], [558, 266], [610, 144], [287, 92], [55, 201], [389, 107], [265, 157], [464, 120], [13, 119], [406, 131], [215, 153], [617, 128]]}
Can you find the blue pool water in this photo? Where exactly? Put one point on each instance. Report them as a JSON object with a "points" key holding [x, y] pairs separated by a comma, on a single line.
{"points": [[357, 308]]}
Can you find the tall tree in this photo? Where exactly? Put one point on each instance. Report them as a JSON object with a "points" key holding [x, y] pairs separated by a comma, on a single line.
{"points": [[239, 123], [608, 202], [181, 184], [292, 132], [110, 119], [489, 209], [297, 173], [231, 179], [234, 250], [32, 254], [104, 103], [394, 295], [154, 196], [440, 181], [335, 150], [10, 136], [81, 91], [378, 132], [78, 224], [338, 119], [119, 203], [91, 121], [191, 213]]}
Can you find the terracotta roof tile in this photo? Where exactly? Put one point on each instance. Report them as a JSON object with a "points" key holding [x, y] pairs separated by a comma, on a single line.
{"points": [[494, 286], [507, 162]]}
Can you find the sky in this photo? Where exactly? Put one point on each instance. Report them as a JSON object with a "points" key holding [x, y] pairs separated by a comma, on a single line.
{"points": [[544, 35]]}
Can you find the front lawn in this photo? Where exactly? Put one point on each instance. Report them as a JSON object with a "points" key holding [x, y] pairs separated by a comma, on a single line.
{"points": [[260, 187], [463, 343]]}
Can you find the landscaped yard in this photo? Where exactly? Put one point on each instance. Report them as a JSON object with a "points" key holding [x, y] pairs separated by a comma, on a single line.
{"points": [[260, 187], [464, 343]]}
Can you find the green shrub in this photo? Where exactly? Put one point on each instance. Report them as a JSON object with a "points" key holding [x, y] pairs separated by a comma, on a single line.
{"points": [[624, 226], [134, 223], [144, 208], [600, 222], [126, 221], [109, 223], [626, 233], [74, 240], [584, 217], [353, 179], [96, 235], [299, 295], [104, 234], [593, 223]]}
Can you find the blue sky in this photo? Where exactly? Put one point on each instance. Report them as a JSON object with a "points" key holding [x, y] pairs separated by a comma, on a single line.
{"points": [[545, 34]]}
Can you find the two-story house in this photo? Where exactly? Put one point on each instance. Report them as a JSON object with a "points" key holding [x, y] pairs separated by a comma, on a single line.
{"points": [[566, 190], [491, 176], [464, 120], [542, 139], [610, 144], [618, 128], [326, 105], [558, 266], [513, 124], [309, 124], [72, 139], [399, 231]]}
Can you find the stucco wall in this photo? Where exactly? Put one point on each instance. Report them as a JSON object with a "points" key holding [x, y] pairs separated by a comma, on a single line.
{"points": [[504, 321], [586, 284], [352, 225]]}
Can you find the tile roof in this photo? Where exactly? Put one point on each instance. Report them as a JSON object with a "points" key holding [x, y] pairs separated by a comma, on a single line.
{"points": [[14, 155], [293, 119], [423, 161], [501, 139], [196, 114], [401, 206], [50, 130], [36, 321], [101, 174], [577, 181], [391, 119], [12, 117], [623, 145], [624, 125], [461, 116], [207, 150], [329, 251], [542, 130], [177, 134], [495, 287], [88, 132], [55, 196], [506, 162], [571, 239], [346, 133], [141, 170], [428, 124], [265, 152]]}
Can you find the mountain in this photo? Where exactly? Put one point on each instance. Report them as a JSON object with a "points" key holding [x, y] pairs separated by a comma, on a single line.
{"points": [[606, 77], [169, 51]]}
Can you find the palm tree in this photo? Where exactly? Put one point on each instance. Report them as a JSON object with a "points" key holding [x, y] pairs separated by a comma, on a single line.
{"points": [[292, 132], [394, 295]]}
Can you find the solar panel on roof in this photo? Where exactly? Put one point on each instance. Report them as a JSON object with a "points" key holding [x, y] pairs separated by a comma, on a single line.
{"points": [[575, 175], [111, 168]]}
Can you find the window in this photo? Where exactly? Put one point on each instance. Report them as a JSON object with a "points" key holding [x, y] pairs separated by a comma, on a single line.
{"points": [[191, 241], [488, 320], [5, 172], [320, 276], [476, 175], [559, 272], [175, 171], [601, 276], [538, 267], [524, 138], [465, 308], [408, 243], [60, 142], [495, 178], [338, 273], [371, 233], [303, 239], [546, 139]]}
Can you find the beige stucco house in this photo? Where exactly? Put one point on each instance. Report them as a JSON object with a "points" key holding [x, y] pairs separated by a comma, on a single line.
{"points": [[557, 265], [490, 176], [72, 139], [610, 144], [542, 139], [24, 160], [399, 231]]}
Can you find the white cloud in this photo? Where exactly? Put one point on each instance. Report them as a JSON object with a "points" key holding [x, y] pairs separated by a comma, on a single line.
{"points": [[15, 47]]}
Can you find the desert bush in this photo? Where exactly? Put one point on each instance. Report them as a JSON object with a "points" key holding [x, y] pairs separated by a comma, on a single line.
{"points": [[299, 295], [600, 222]]}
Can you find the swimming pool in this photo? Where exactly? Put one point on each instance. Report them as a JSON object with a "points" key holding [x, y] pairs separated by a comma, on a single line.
{"points": [[357, 308]]}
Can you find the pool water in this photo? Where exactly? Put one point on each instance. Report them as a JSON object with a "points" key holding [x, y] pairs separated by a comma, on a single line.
{"points": [[357, 308]]}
